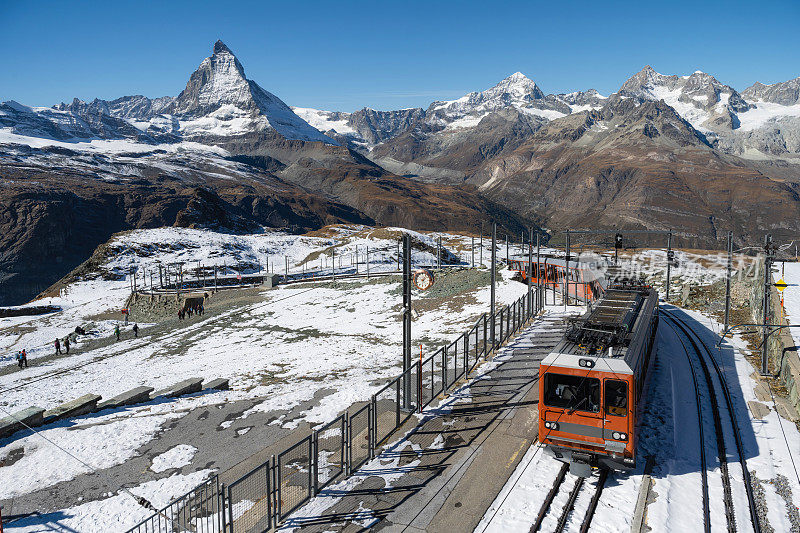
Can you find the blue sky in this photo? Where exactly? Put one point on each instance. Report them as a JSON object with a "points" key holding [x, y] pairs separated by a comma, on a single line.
{"points": [[386, 55]]}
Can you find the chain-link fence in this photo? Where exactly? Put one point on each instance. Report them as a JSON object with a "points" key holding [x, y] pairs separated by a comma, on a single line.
{"points": [[295, 485], [250, 504], [329, 452], [359, 437]]}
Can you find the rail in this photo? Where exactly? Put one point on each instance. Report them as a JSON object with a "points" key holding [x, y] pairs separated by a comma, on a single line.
{"points": [[691, 335]]}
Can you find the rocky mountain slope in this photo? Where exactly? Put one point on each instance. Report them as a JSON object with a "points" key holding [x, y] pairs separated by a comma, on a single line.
{"points": [[683, 152], [224, 154], [638, 164]]}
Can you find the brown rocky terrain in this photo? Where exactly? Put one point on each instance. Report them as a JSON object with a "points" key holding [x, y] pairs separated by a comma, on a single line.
{"points": [[638, 165]]}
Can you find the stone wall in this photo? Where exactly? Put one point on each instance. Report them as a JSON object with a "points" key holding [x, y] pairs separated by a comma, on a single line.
{"points": [[785, 364]]}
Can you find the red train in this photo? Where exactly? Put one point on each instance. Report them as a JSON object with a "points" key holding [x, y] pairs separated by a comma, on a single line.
{"points": [[586, 280], [590, 385]]}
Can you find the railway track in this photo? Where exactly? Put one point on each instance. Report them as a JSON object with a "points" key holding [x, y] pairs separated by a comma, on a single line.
{"points": [[566, 510], [704, 356]]}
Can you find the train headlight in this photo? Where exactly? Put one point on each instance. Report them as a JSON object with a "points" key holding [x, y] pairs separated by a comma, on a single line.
{"points": [[619, 436], [551, 425], [586, 363]]}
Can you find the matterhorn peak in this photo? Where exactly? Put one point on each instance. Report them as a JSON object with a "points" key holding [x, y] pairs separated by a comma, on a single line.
{"points": [[227, 103], [221, 48]]}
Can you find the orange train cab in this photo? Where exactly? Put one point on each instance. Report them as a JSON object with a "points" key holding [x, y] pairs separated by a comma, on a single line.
{"points": [[584, 279], [590, 385]]}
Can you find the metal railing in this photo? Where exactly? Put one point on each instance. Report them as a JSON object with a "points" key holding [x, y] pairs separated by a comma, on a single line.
{"points": [[265, 496], [201, 510]]}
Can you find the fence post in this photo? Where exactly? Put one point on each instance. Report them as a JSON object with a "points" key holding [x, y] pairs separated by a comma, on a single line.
{"points": [[230, 509], [314, 467], [346, 444], [276, 490], [406, 401], [497, 344], [444, 369], [373, 417], [484, 335], [419, 385], [466, 353], [312, 451]]}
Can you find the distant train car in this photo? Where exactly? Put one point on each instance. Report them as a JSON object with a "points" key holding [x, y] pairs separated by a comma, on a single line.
{"points": [[590, 385], [586, 281]]}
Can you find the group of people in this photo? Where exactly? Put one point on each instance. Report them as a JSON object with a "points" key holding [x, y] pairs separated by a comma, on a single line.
{"points": [[22, 358], [183, 312], [135, 330], [57, 344]]}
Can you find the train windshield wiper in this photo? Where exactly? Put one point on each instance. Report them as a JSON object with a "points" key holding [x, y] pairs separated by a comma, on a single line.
{"points": [[577, 405]]}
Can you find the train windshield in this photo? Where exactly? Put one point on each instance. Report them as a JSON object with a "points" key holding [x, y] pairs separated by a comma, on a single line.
{"points": [[576, 393]]}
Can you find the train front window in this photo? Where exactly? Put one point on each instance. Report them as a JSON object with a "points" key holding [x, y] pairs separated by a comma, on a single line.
{"points": [[576, 393], [616, 398]]}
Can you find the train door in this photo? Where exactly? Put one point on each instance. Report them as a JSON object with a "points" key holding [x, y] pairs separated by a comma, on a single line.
{"points": [[618, 415]]}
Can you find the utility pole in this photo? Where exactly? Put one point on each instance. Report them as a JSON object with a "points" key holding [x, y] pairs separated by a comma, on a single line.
{"points": [[670, 256], [333, 263], [367, 262], [769, 250], [481, 243], [530, 272], [398, 256], [566, 281], [472, 251], [507, 261], [439, 254], [356, 259], [493, 280], [406, 320], [728, 281], [285, 268], [160, 277], [539, 291]]}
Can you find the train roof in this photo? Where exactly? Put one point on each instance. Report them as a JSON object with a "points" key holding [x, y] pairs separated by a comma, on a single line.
{"points": [[558, 261], [610, 335]]}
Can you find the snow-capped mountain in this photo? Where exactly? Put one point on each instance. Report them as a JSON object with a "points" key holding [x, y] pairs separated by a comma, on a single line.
{"points": [[218, 101], [785, 93], [365, 127], [761, 123], [516, 91], [699, 98]]}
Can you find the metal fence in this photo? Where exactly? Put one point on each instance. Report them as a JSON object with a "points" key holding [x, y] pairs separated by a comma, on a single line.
{"points": [[265, 496], [201, 510]]}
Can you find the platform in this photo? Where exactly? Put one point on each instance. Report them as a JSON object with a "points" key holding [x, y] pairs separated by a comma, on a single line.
{"points": [[447, 471]]}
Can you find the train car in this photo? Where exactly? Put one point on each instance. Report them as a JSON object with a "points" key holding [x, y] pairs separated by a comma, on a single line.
{"points": [[586, 281], [590, 385]]}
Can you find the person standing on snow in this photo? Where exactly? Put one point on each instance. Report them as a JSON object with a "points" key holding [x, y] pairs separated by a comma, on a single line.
{"points": [[66, 343], [116, 331], [19, 359], [136, 330], [24, 358], [58, 346]]}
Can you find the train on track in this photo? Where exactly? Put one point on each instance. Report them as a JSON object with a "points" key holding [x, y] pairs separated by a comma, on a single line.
{"points": [[585, 279], [590, 385]]}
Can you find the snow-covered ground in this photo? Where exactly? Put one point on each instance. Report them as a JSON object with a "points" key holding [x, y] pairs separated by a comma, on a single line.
{"points": [[670, 434], [280, 349]]}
